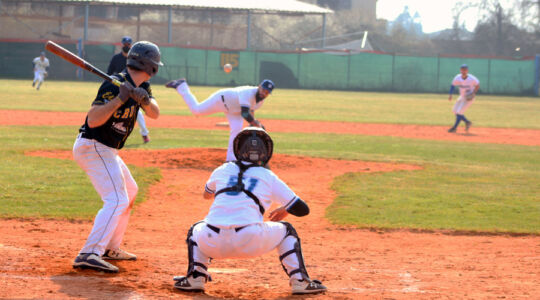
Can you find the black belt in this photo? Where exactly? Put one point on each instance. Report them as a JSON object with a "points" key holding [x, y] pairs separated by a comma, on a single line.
{"points": [[217, 230]]}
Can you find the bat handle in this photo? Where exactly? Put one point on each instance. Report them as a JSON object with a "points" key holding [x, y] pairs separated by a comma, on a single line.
{"points": [[116, 82]]}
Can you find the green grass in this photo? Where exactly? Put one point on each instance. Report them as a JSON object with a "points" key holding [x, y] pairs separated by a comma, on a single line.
{"points": [[462, 186], [48, 187], [422, 109]]}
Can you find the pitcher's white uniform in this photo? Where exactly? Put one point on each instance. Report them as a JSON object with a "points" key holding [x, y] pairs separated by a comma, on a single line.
{"points": [[232, 211], [40, 68], [229, 101], [466, 86]]}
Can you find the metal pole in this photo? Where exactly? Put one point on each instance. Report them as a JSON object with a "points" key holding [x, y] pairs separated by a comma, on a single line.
{"points": [[248, 42], [323, 31], [138, 24], [86, 13], [169, 29], [537, 73]]}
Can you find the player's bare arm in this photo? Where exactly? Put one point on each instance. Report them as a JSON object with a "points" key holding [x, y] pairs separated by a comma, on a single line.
{"points": [[278, 214], [152, 109], [208, 195]]}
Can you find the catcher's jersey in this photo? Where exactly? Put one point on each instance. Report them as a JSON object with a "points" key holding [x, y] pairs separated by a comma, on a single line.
{"points": [[235, 98], [466, 85], [119, 126], [237, 208], [41, 65]]}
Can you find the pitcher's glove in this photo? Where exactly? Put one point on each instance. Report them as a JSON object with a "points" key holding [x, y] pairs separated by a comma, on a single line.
{"points": [[469, 96], [141, 96]]}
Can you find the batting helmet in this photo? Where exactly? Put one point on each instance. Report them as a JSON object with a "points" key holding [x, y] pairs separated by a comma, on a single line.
{"points": [[144, 56], [253, 145]]}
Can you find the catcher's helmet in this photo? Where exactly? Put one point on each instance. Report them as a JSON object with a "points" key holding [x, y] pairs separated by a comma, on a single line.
{"points": [[253, 145], [144, 56]]}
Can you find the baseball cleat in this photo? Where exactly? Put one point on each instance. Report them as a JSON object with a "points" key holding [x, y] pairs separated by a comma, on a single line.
{"points": [[94, 262], [190, 283], [452, 129], [468, 126], [306, 286], [145, 139], [119, 254], [175, 83]]}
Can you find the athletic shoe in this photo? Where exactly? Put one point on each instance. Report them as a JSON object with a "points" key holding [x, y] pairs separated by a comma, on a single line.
{"points": [[452, 129], [119, 254], [93, 261], [175, 83], [468, 126], [190, 283], [306, 286], [145, 139]]}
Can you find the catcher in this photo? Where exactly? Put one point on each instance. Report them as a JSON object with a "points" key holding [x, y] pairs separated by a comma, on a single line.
{"points": [[234, 227], [468, 87]]}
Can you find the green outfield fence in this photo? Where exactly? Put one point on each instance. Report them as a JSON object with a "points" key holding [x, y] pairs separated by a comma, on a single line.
{"points": [[305, 70]]}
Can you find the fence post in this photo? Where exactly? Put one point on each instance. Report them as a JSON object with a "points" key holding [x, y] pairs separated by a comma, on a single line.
{"points": [[489, 77], [537, 75]]}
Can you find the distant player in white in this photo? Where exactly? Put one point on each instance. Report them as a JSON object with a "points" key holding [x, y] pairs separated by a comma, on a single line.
{"points": [[237, 103], [41, 63], [468, 86], [234, 226]]}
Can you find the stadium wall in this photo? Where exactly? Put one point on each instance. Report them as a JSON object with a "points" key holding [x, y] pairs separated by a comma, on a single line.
{"points": [[304, 70]]}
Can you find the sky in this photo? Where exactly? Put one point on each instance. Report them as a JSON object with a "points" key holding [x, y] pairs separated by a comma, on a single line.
{"points": [[435, 15]]}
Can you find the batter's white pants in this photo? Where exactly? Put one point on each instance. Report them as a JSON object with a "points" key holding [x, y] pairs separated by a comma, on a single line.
{"points": [[213, 104], [142, 123], [251, 241], [461, 105], [113, 182]]}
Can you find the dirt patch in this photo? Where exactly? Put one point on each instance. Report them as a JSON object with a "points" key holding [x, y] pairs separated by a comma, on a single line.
{"points": [[529, 137], [36, 255]]}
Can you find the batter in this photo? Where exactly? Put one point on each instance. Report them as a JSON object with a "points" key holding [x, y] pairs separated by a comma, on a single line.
{"points": [[108, 124]]}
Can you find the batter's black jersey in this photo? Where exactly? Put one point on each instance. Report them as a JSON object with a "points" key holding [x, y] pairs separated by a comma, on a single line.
{"points": [[119, 126], [117, 64]]}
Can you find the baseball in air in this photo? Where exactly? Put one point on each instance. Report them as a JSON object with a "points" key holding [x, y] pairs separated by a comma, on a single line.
{"points": [[227, 68]]}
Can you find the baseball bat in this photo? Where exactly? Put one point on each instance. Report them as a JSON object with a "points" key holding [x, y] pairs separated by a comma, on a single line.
{"points": [[79, 62]]}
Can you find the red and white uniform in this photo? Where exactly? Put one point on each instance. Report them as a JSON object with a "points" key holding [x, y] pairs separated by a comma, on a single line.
{"points": [[229, 101]]}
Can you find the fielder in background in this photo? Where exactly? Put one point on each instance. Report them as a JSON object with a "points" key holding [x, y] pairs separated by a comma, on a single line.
{"points": [[41, 63], [234, 227], [117, 65], [468, 86], [108, 124], [237, 103]]}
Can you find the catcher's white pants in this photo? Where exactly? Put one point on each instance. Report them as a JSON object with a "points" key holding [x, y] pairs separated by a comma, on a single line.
{"points": [[461, 105], [253, 240], [113, 182], [214, 104], [142, 123]]}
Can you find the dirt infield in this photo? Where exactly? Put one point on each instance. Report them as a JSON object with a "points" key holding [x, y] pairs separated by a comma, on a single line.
{"points": [[530, 137], [36, 255]]}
